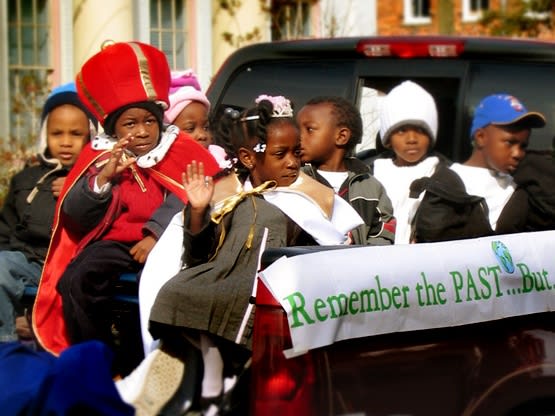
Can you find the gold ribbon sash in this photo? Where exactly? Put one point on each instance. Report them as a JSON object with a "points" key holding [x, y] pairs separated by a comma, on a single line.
{"points": [[229, 204]]}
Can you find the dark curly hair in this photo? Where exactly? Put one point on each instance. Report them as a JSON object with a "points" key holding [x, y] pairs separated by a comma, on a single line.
{"points": [[346, 115], [236, 129]]}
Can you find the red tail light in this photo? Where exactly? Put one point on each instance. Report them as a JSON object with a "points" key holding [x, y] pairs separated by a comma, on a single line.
{"points": [[279, 385], [411, 49]]}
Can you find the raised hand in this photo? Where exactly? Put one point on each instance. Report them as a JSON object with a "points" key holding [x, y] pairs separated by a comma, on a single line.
{"points": [[118, 162], [199, 188]]}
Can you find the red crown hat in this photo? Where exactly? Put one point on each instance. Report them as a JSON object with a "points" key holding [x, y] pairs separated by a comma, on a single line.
{"points": [[123, 73]]}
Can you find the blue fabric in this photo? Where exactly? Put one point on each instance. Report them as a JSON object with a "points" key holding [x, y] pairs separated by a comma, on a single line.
{"points": [[22, 371], [65, 94], [78, 382], [15, 272], [503, 109]]}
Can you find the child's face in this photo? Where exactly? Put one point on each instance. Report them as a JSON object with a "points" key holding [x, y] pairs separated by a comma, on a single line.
{"points": [[502, 148], [141, 126], [194, 121], [318, 133], [281, 160], [67, 131], [410, 144]]}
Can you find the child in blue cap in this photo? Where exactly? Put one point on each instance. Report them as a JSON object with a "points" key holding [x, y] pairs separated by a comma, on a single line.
{"points": [[483, 184], [28, 211]]}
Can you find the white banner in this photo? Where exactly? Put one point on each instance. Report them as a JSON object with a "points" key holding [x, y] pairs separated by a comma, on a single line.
{"points": [[361, 291]]}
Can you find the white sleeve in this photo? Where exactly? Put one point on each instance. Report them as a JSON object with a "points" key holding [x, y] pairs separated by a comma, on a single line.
{"points": [[101, 189], [163, 263]]}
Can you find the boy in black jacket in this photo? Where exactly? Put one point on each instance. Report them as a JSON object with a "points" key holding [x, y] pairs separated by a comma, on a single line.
{"points": [[330, 129], [28, 211], [483, 196]]}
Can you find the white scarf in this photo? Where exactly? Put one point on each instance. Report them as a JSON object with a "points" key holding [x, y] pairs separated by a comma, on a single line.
{"points": [[306, 212], [396, 181]]}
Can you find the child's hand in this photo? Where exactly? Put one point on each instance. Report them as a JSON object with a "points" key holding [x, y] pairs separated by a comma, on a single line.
{"points": [[142, 249], [199, 188], [117, 162], [57, 185]]}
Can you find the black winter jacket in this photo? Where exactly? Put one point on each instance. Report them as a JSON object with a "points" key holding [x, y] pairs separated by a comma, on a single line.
{"points": [[369, 199], [536, 175], [28, 212], [448, 212]]}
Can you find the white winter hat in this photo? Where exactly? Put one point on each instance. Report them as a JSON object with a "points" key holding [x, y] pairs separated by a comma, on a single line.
{"points": [[408, 103]]}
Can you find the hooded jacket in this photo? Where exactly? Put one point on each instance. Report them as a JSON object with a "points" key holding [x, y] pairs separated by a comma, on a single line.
{"points": [[28, 212]]}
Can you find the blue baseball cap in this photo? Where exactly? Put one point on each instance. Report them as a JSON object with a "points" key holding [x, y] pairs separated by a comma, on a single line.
{"points": [[503, 110]]}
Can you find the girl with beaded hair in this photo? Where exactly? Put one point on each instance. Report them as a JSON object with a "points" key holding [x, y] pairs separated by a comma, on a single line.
{"points": [[264, 202]]}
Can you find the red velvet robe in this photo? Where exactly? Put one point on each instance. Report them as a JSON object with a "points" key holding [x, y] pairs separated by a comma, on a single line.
{"points": [[48, 321]]}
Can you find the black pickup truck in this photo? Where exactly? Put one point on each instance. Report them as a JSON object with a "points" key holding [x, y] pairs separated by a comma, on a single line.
{"points": [[380, 332], [482, 361], [458, 72]]}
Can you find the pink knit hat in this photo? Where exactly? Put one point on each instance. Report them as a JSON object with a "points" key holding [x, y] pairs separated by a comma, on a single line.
{"points": [[184, 89]]}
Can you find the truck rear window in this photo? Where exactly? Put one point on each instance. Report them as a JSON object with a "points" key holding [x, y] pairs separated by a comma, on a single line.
{"points": [[445, 91], [299, 81], [531, 83], [456, 84]]}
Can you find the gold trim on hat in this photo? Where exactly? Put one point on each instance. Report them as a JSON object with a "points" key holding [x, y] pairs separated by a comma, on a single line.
{"points": [[89, 97], [144, 72], [106, 43]]}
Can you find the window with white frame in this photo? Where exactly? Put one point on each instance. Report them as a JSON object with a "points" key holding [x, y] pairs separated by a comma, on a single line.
{"points": [[417, 12], [472, 9], [168, 22], [538, 10], [290, 19], [28, 68]]}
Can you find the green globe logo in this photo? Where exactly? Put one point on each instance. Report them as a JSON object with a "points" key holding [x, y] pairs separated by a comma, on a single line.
{"points": [[503, 256]]}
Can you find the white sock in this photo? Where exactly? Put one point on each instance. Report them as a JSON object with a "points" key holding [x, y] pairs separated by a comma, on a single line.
{"points": [[212, 381]]}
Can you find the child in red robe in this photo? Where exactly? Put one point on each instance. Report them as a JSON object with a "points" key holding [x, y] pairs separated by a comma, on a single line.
{"points": [[113, 206]]}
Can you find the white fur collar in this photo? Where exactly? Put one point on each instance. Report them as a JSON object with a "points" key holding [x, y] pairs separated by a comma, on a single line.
{"points": [[168, 136]]}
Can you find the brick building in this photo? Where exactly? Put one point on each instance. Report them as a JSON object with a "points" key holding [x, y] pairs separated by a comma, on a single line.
{"points": [[432, 17]]}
